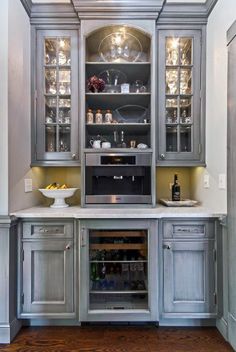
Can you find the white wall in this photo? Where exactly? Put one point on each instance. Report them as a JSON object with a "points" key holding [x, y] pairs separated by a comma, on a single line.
{"points": [[19, 110], [3, 108], [219, 22]]}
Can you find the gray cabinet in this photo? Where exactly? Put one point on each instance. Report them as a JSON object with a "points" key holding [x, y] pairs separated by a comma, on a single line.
{"points": [[189, 255], [55, 126], [231, 176], [47, 274], [180, 98]]}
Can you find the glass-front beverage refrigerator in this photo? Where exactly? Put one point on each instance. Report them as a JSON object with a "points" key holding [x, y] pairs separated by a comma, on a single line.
{"points": [[118, 270]]}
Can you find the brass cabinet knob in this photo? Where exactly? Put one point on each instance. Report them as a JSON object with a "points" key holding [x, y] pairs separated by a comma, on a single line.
{"points": [[68, 246], [73, 156]]}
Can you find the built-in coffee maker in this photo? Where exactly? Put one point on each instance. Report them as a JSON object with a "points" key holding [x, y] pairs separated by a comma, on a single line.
{"points": [[118, 178]]}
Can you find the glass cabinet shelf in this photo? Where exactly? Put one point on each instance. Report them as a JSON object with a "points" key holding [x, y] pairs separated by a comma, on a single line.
{"points": [[57, 88], [179, 66]]}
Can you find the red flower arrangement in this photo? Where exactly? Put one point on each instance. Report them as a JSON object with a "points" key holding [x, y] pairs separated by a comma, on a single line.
{"points": [[95, 84]]}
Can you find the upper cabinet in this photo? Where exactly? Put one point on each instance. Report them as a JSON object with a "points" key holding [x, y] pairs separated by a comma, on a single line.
{"points": [[118, 89], [56, 98], [180, 112]]}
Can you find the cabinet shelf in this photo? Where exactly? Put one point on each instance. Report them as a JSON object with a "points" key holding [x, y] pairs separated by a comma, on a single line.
{"points": [[108, 246], [118, 150], [175, 67], [105, 64], [103, 128], [117, 94], [179, 124], [112, 101], [132, 71], [55, 66], [114, 233], [118, 261], [118, 292]]}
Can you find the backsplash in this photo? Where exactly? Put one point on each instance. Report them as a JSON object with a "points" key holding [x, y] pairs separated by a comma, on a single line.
{"points": [[72, 177], [165, 177]]}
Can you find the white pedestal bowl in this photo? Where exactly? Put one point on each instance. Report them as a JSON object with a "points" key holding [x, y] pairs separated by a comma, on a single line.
{"points": [[59, 196]]}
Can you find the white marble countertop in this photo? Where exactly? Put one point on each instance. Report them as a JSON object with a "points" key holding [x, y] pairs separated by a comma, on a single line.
{"points": [[116, 213]]}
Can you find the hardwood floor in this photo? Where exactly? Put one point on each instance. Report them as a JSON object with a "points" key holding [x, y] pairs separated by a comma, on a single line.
{"points": [[117, 339]]}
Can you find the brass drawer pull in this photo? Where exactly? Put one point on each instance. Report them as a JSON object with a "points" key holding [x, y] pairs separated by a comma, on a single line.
{"points": [[43, 230]]}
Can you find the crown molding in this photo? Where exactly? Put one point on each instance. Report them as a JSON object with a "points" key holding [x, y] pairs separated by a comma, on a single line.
{"points": [[53, 14], [118, 8], [184, 13], [231, 33], [195, 13], [210, 4], [27, 6]]}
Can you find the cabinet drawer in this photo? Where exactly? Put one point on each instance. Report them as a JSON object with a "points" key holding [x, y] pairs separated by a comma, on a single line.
{"points": [[188, 229], [45, 229]]}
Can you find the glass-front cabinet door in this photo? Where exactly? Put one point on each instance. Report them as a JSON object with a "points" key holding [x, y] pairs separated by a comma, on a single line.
{"points": [[180, 119], [57, 96], [118, 270]]}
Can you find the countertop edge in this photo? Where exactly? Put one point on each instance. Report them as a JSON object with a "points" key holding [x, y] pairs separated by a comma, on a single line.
{"points": [[158, 212]]}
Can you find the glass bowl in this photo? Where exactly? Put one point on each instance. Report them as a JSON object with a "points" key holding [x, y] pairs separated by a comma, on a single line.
{"points": [[120, 47], [113, 79], [131, 114]]}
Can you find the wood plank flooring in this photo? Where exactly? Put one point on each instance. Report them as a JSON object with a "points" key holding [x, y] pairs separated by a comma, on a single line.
{"points": [[117, 339]]}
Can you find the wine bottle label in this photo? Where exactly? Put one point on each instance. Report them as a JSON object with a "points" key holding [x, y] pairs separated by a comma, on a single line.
{"points": [[176, 196]]}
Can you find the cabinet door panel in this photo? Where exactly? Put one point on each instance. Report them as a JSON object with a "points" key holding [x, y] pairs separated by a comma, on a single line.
{"points": [[180, 139], [57, 95], [189, 279], [48, 278]]}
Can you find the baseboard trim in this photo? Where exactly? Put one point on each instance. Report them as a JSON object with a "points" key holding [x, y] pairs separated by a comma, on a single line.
{"points": [[9, 331], [187, 322], [50, 322], [222, 326], [231, 330]]}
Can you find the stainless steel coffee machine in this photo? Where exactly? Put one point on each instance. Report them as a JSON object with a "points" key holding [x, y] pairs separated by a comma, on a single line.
{"points": [[118, 178]]}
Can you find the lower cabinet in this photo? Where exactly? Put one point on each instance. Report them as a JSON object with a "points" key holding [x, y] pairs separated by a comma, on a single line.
{"points": [[47, 275], [189, 262], [129, 269]]}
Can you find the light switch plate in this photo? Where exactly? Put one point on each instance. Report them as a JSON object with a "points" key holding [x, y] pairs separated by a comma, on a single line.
{"points": [[206, 181], [222, 181], [28, 185]]}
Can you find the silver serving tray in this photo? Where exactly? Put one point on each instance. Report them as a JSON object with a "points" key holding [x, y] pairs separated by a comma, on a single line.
{"points": [[180, 203]]}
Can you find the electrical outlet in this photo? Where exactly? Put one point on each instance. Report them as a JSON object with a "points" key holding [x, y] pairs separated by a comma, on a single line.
{"points": [[206, 181], [28, 185], [222, 181]]}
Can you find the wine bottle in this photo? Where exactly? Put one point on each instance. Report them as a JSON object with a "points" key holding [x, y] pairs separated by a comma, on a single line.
{"points": [[176, 189]]}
